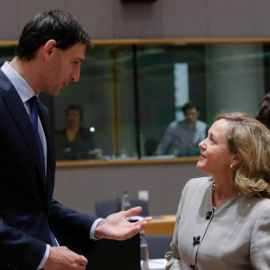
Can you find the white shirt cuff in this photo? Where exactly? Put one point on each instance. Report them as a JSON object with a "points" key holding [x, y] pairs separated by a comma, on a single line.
{"points": [[93, 229]]}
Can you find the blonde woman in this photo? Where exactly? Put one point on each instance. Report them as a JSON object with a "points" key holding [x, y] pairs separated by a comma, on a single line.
{"points": [[223, 221]]}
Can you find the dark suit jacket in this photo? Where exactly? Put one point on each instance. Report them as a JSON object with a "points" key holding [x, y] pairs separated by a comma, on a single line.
{"points": [[27, 209]]}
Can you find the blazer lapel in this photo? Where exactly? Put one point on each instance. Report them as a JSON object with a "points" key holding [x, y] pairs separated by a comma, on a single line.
{"points": [[45, 120], [17, 110]]}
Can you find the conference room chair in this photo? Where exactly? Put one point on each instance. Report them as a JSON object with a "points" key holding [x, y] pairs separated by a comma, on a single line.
{"points": [[109, 206], [158, 245]]}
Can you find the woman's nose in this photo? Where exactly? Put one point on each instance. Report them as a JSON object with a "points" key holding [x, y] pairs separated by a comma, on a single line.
{"points": [[202, 144]]}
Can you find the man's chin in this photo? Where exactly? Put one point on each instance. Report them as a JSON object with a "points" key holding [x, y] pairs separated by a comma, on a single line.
{"points": [[53, 93], [57, 93]]}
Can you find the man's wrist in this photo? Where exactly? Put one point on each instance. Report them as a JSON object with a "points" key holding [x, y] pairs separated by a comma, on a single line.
{"points": [[93, 232]]}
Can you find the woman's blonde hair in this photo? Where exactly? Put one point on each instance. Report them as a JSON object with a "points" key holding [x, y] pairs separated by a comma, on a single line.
{"points": [[251, 140]]}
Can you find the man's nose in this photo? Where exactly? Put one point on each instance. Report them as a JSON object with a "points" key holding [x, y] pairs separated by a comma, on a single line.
{"points": [[75, 76]]}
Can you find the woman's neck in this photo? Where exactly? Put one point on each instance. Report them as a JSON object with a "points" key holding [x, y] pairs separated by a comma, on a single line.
{"points": [[224, 191], [72, 132]]}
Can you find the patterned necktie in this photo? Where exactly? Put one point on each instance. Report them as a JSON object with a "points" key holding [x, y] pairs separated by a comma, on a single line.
{"points": [[34, 120]]}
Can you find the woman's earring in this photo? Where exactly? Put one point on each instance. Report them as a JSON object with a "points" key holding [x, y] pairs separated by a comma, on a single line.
{"points": [[231, 165]]}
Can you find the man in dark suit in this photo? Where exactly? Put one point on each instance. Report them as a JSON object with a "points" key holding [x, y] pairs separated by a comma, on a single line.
{"points": [[50, 51]]}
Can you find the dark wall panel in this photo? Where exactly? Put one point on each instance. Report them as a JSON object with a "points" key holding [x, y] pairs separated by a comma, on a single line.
{"points": [[113, 19]]}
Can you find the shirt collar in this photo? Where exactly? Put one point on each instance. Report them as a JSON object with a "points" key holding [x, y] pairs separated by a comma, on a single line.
{"points": [[22, 87]]}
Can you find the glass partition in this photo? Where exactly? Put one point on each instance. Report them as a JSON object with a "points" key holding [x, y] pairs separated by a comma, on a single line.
{"points": [[214, 77], [105, 96], [130, 96], [168, 78]]}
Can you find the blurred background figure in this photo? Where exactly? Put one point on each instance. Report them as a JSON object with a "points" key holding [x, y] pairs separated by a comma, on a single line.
{"points": [[182, 137], [263, 114], [74, 141]]}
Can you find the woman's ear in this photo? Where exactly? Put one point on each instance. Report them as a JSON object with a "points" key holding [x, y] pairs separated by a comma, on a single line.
{"points": [[237, 159]]}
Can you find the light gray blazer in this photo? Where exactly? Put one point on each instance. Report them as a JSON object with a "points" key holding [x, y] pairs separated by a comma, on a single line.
{"points": [[235, 237]]}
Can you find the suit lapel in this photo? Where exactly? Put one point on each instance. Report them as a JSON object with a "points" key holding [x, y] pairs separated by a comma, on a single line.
{"points": [[17, 110], [45, 120]]}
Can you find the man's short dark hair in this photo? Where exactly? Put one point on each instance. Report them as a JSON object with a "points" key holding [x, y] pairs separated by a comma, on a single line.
{"points": [[188, 106], [54, 24]]}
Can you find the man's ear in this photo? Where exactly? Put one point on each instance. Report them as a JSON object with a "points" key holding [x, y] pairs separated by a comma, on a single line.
{"points": [[49, 47]]}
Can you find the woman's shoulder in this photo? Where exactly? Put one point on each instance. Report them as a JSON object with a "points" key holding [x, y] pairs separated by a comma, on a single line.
{"points": [[200, 183], [59, 133], [85, 130], [257, 210], [258, 203]]}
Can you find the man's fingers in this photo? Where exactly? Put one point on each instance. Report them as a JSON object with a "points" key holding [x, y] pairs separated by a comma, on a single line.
{"points": [[83, 260], [134, 211], [143, 221]]}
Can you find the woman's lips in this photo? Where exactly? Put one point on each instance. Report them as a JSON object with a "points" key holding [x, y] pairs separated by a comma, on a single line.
{"points": [[202, 156]]}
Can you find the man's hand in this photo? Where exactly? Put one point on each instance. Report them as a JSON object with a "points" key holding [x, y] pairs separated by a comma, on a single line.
{"points": [[61, 258], [117, 227]]}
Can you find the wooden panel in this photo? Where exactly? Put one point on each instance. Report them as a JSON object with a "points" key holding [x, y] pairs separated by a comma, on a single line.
{"points": [[162, 41], [89, 163], [161, 225]]}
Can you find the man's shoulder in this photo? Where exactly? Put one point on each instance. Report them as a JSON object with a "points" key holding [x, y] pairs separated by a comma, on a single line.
{"points": [[176, 123], [201, 124], [4, 82]]}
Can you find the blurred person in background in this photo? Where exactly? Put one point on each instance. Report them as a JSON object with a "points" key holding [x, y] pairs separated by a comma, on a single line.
{"points": [[182, 137], [74, 141], [263, 114]]}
